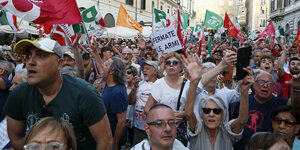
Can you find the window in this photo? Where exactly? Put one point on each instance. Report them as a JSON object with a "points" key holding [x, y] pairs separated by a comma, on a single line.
{"points": [[272, 5], [212, 2], [162, 6], [168, 10], [279, 4], [143, 4], [129, 2], [262, 23], [263, 2], [286, 2], [262, 11], [287, 28]]}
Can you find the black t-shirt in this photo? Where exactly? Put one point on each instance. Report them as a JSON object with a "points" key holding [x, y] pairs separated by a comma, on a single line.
{"points": [[259, 118], [78, 103]]}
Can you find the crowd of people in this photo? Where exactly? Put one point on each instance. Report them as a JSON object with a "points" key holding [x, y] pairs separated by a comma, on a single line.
{"points": [[122, 94]]}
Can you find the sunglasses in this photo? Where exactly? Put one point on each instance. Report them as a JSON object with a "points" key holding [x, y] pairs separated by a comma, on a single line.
{"points": [[219, 54], [288, 123], [129, 72], [215, 110], [46, 111], [175, 62]]}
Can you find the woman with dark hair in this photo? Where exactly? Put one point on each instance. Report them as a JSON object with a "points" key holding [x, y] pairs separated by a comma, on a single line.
{"points": [[286, 122], [268, 141], [276, 50], [51, 133]]}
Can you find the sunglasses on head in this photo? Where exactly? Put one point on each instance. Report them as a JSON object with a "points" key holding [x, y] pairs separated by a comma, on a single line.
{"points": [[215, 110], [175, 62], [288, 123]]}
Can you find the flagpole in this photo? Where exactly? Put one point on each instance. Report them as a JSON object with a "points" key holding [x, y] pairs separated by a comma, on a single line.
{"points": [[88, 37]]}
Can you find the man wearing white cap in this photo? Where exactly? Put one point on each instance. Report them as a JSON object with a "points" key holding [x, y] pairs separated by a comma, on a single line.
{"points": [[139, 96], [48, 93]]}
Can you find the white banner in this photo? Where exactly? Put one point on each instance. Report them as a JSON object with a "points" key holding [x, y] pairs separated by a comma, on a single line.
{"points": [[3, 134], [166, 40]]}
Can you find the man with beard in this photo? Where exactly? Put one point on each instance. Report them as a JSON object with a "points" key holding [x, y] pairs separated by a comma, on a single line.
{"points": [[139, 96], [127, 57], [294, 67]]}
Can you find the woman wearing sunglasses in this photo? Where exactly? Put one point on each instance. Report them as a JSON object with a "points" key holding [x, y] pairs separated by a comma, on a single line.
{"points": [[212, 133], [166, 90], [286, 122]]}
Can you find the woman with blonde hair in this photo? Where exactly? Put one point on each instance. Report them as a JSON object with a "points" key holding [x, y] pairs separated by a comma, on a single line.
{"points": [[51, 134]]}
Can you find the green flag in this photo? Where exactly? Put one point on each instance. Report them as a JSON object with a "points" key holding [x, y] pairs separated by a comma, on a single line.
{"points": [[192, 28], [281, 31], [209, 45], [161, 19], [185, 20], [213, 20]]}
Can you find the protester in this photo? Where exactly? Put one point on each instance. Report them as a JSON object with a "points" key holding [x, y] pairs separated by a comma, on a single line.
{"points": [[47, 93], [256, 55], [217, 55], [115, 98], [166, 90], [268, 141], [51, 132], [286, 122], [127, 57], [161, 130], [213, 132], [139, 97], [262, 104], [19, 78]]}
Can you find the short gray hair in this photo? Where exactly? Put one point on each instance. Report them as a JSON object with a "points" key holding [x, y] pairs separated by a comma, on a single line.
{"points": [[23, 73], [208, 65], [255, 51], [7, 66], [119, 70], [218, 100], [264, 73]]}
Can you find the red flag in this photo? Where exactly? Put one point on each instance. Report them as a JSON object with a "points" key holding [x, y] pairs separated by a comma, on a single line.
{"points": [[240, 36], [268, 31], [179, 32], [230, 26], [297, 38], [44, 11]]}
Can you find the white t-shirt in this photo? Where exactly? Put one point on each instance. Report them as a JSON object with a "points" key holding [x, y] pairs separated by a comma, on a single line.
{"points": [[142, 95], [144, 145], [164, 94]]}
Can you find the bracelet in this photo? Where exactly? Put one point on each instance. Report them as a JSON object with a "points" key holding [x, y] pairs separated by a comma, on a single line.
{"points": [[296, 90]]}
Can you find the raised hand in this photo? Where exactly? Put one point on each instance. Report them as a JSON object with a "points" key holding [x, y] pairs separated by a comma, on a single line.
{"points": [[77, 37], [295, 82], [136, 81], [247, 82], [193, 67], [229, 59]]}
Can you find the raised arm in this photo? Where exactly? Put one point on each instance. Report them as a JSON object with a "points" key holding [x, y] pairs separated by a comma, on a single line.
{"points": [[228, 60], [132, 94], [78, 57], [99, 61], [281, 62], [295, 83], [193, 67], [239, 123]]}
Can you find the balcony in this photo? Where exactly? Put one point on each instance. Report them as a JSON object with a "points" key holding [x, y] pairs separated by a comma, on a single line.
{"points": [[277, 15]]}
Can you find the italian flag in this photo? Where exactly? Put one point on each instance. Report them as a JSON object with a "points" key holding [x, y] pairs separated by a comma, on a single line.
{"points": [[6, 18]]}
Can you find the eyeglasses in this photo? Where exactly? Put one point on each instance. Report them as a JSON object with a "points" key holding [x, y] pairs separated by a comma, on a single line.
{"points": [[128, 54], [262, 82], [175, 62], [162, 124], [215, 110], [219, 54], [288, 123], [49, 146], [46, 111], [129, 72]]}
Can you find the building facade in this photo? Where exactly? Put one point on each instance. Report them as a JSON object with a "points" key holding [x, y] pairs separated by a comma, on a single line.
{"points": [[234, 8], [286, 14], [140, 10], [257, 14]]}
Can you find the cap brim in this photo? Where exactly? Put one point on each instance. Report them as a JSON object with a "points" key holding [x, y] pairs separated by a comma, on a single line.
{"points": [[22, 46]]}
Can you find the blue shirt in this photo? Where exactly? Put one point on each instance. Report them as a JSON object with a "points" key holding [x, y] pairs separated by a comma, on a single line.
{"points": [[116, 100]]}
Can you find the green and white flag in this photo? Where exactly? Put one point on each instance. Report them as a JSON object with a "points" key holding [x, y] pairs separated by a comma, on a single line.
{"points": [[184, 20], [213, 20], [192, 28], [6, 18], [161, 20], [197, 29]]}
